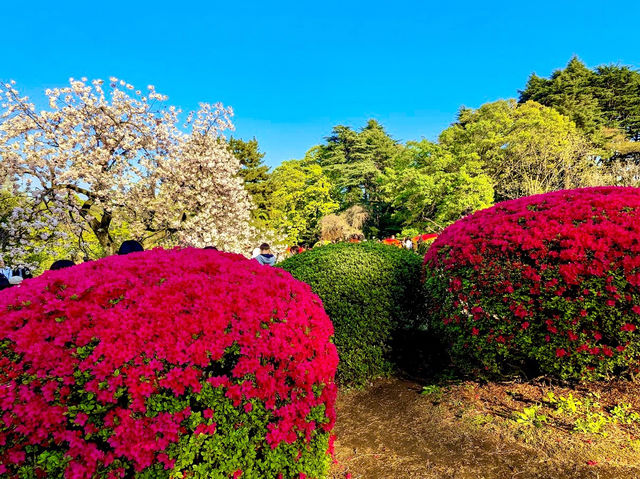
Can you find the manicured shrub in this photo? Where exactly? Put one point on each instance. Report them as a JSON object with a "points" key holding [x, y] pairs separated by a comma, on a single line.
{"points": [[547, 284], [369, 291], [182, 363]]}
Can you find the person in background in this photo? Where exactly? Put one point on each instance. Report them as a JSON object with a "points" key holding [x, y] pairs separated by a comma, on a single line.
{"points": [[4, 280], [256, 252], [265, 257], [24, 273], [61, 264], [18, 275], [4, 269], [408, 243], [130, 246]]}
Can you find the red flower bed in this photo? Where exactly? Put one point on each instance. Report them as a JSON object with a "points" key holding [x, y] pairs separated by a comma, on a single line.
{"points": [[548, 283], [155, 363]]}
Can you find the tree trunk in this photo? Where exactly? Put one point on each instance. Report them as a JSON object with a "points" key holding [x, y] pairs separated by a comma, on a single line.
{"points": [[101, 230]]}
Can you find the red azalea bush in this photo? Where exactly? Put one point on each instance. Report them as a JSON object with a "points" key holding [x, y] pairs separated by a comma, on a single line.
{"points": [[182, 363], [547, 284]]}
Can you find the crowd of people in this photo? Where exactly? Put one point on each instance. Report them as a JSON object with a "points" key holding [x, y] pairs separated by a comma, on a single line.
{"points": [[9, 277], [262, 254]]}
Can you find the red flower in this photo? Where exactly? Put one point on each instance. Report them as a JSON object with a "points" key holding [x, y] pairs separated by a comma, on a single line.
{"points": [[130, 329], [561, 352], [531, 255], [628, 327]]}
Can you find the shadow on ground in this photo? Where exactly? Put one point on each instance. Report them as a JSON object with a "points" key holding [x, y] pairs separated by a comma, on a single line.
{"points": [[390, 430]]}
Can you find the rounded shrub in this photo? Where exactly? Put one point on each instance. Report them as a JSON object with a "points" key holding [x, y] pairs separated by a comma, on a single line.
{"points": [[181, 363], [369, 291], [547, 284]]}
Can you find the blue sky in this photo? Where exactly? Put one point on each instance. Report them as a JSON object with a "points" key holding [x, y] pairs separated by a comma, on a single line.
{"points": [[292, 70]]}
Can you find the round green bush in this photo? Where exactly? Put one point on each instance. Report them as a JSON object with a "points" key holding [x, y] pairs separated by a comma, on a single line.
{"points": [[370, 291], [547, 284]]}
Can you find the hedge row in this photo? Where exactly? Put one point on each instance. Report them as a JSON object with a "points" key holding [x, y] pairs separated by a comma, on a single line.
{"points": [[370, 291]]}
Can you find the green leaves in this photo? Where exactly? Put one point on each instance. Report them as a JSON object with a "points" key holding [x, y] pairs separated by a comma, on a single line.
{"points": [[369, 291], [525, 149], [301, 196], [429, 185]]}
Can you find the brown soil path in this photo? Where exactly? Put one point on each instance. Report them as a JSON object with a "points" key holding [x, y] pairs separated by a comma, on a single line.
{"points": [[391, 431]]}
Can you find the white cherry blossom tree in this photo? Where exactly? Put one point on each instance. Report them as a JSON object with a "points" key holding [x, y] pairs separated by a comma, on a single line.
{"points": [[102, 155]]}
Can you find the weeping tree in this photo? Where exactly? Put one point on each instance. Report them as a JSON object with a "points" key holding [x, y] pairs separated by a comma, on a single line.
{"points": [[349, 223]]}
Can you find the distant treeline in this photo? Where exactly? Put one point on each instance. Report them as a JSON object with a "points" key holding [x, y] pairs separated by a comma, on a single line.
{"points": [[580, 127]]}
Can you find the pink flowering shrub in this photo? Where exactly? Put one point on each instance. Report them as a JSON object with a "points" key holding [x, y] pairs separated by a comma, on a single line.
{"points": [[182, 363], [545, 284]]}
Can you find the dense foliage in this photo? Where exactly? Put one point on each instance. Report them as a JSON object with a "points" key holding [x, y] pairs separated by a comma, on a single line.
{"points": [[607, 97], [253, 172], [430, 186], [165, 364], [370, 291], [301, 196], [548, 283], [578, 128], [524, 148]]}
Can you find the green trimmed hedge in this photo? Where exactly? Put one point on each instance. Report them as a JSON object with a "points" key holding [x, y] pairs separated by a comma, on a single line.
{"points": [[370, 291]]}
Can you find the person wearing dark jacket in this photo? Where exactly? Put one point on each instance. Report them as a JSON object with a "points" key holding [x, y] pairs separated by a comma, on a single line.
{"points": [[61, 264], [24, 273], [130, 246], [265, 257], [4, 282]]}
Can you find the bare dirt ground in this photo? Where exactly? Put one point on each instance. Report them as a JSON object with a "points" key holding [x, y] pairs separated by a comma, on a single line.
{"points": [[469, 430]]}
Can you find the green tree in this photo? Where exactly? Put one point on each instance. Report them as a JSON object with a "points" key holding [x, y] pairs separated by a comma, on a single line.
{"points": [[254, 172], [430, 187], [354, 161], [347, 163], [300, 197], [602, 103], [525, 149], [571, 92], [618, 91]]}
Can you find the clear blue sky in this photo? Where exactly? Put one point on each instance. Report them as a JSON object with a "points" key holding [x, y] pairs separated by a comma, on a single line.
{"points": [[292, 70]]}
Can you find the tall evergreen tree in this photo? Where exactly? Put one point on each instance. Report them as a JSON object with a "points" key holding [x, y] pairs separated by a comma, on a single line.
{"points": [[604, 103], [355, 161], [571, 92], [618, 91], [253, 171]]}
